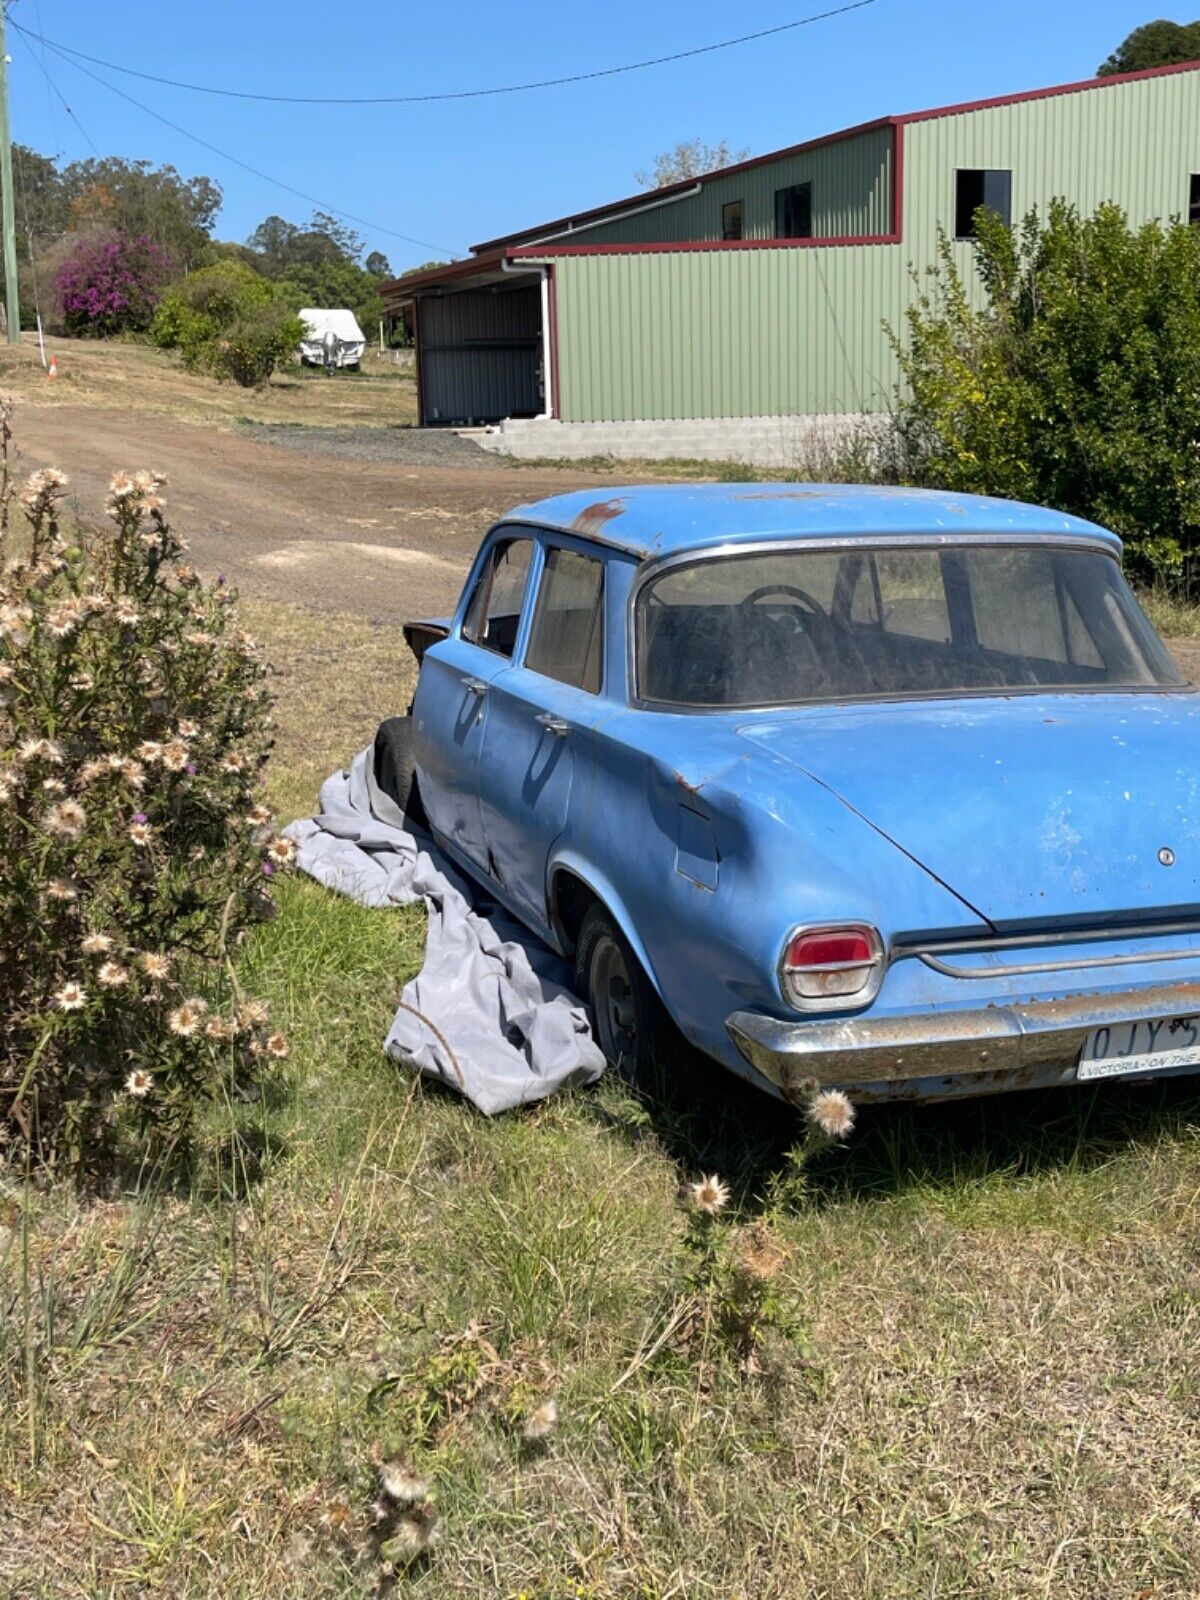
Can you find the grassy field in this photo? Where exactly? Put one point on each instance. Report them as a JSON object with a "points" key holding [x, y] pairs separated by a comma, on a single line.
{"points": [[140, 378], [982, 1379]]}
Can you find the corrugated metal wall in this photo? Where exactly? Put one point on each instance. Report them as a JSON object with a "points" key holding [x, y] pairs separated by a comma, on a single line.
{"points": [[1135, 143], [726, 333], [851, 196], [479, 354], [778, 332]]}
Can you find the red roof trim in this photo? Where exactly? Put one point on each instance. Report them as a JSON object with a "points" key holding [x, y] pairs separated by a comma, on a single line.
{"points": [[395, 288], [616, 207]]}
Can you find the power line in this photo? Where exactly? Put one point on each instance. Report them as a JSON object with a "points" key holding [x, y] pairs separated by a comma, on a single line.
{"points": [[50, 84], [322, 205], [457, 94]]}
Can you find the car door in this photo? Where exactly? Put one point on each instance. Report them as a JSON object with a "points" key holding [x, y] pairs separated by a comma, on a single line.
{"points": [[450, 707], [540, 711]]}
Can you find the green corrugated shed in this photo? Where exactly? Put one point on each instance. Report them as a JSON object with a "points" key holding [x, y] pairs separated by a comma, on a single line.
{"points": [[737, 333], [654, 318]]}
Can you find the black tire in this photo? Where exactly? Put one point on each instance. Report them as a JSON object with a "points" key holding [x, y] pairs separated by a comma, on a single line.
{"points": [[630, 1023], [395, 767]]}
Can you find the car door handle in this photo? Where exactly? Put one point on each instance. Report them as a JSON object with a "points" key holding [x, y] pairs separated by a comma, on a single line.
{"points": [[475, 685], [553, 724]]}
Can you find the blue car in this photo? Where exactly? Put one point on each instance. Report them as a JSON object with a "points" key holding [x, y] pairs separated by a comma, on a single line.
{"points": [[891, 791]]}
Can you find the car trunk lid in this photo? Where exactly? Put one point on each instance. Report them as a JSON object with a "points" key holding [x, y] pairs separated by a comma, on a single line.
{"points": [[1028, 807]]}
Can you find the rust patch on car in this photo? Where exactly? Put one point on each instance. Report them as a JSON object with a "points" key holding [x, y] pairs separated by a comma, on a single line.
{"points": [[592, 519]]}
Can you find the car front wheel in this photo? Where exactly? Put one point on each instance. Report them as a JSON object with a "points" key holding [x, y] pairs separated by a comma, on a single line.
{"points": [[630, 1022]]}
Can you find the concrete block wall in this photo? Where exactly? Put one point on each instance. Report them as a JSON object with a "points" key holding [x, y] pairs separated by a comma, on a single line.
{"points": [[799, 443]]}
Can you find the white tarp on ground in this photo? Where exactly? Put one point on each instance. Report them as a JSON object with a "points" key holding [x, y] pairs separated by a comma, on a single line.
{"points": [[490, 1013], [342, 323]]}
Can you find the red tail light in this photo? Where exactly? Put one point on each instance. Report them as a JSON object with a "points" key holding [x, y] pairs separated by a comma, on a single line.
{"points": [[832, 965]]}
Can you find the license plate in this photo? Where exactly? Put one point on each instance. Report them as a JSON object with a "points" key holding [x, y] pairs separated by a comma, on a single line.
{"points": [[1146, 1046]]}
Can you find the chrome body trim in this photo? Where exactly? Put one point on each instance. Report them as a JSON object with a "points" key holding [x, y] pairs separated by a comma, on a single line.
{"points": [[1010, 1042]]}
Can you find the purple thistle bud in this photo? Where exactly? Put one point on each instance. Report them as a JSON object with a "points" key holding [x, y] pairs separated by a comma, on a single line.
{"points": [[140, 816], [268, 869], [190, 769]]}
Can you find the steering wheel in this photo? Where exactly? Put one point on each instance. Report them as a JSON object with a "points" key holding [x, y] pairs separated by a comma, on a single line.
{"points": [[789, 589]]}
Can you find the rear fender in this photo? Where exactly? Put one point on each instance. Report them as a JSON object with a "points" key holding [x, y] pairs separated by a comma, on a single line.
{"points": [[607, 894]]}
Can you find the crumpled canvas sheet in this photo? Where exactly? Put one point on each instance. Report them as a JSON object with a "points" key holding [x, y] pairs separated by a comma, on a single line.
{"points": [[490, 1013]]}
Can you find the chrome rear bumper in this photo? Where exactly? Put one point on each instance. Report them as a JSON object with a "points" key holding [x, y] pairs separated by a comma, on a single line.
{"points": [[1008, 1045]]}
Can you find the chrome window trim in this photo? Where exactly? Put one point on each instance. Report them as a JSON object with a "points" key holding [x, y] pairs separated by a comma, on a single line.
{"points": [[655, 567], [850, 1002]]}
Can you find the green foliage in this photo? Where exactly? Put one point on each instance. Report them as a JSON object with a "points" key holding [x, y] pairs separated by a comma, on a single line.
{"points": [[1154, 44], [133, 851], [320, 264], [1075, 382], [228, 320]]}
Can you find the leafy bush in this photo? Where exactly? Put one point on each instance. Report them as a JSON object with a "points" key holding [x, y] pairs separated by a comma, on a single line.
{"points": [[110, 283], [1076, 383], [227, 320], [133, 848]]}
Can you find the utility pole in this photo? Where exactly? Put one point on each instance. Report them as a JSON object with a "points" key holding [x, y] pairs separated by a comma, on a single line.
{"points": [[12, 300]]}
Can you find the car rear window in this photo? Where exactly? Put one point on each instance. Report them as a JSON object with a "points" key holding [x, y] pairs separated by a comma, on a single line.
{"points": [[790, 626]]}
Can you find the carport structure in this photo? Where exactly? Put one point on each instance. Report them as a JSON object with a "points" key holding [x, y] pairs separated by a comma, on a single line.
{"points": [[483, 332]]}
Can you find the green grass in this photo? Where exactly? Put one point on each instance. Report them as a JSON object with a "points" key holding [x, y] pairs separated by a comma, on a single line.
{"points": [[991, 1389], [1172, 615]]}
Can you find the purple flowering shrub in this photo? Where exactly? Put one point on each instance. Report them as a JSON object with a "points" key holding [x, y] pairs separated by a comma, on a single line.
{"points": [[134, 847], [110, 283]]}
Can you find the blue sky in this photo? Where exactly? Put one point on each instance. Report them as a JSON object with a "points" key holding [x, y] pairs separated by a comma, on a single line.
{"points": [[449, 175]]}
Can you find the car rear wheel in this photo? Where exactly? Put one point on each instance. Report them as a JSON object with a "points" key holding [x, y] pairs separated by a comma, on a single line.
{"points": [[630, 1022], [396, 768]]}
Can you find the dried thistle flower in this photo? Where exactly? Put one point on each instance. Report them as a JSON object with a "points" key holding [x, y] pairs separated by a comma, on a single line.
{"points": [[71, 997], [112, 975], [400, 1485], [541, 1422], [831, 1112], [185, 1019], [96, 944], [710, 1195], [139, 1083], [67, 819], [156, 967]]}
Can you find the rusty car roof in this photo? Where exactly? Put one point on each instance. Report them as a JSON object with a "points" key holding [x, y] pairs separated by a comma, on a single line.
{"points": [[665, 519]]}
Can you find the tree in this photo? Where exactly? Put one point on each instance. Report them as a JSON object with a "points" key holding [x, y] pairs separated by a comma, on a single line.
{"points": [[1154, 44], [689, 159], [1074, 384], [142, 200], [110, 284], [320, 264]]}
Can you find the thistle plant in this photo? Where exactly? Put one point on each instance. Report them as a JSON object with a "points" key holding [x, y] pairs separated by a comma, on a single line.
{"points": [[134, 848]]}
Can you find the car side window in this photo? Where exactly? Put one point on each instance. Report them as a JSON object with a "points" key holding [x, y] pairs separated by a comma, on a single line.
{"points": [[494, 612], [566, 641]]}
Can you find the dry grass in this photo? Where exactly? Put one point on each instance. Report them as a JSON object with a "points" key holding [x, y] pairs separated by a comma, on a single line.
{"points": [[140, 378], [995, 1394]]}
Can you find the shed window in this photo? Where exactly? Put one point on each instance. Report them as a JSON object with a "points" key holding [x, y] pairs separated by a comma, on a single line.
{"points": [[566, 641], [1194, 201], [975, 187], [731, 220], [793, 212]]}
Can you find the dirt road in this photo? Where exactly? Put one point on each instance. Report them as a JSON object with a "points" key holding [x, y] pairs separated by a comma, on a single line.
{"points": [[381, 539]]}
